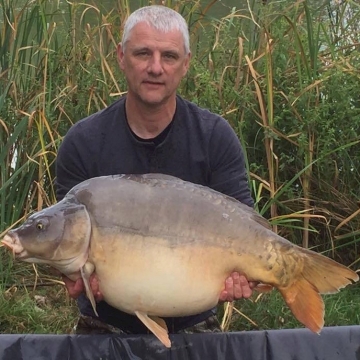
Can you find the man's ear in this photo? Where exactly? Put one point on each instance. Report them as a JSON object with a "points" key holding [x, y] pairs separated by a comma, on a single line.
{"points": [[187, 63], [120, 55]]}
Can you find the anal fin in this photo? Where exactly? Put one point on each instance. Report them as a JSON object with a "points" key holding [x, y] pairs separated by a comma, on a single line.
{"points": [[157, 326], [160, 322]]}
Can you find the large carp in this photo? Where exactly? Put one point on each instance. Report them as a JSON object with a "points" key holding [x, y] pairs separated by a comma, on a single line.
{"points": [[163, 247]]}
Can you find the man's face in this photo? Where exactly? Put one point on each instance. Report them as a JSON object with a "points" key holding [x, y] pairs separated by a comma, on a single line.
{"points": [[154, 63]]}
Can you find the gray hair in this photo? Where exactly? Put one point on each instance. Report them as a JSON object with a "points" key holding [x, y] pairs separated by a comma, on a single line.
{"points": [[160, 18]]}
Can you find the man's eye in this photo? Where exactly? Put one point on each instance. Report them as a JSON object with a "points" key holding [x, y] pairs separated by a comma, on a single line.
{"points": [[142, 53], [170, 56]]}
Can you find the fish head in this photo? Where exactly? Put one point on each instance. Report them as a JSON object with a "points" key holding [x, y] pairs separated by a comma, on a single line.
{"points": [[58, 235]]}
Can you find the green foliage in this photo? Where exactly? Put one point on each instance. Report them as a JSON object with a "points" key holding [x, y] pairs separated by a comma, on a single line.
{"points": [[30, 302]]}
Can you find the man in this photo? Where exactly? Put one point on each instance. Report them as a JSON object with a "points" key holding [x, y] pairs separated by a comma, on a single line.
{"points": [[152, 129]]}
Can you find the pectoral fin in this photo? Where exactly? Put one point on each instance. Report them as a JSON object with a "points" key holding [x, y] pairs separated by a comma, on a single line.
{"points": [[157, 326], [86, 272]]}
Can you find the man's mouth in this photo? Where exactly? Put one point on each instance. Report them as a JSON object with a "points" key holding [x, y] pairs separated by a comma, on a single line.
{"points": [[154, 83]]}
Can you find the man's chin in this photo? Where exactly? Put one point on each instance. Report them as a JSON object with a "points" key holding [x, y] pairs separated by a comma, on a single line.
{"points": [[154, 101]]}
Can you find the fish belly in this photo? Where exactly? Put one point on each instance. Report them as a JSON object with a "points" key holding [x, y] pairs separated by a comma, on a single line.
{"points": [[146, 274]]}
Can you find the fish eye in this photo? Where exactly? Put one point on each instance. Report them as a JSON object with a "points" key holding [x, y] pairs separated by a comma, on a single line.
{"points": [[40, 226]]}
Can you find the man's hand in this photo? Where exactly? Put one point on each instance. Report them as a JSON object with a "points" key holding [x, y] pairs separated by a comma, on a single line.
{"points": [[75, 288], [236, 287]]}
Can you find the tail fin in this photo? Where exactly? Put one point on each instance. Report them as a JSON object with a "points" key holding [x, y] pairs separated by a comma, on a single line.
{"points": [[327, 275], [320, 275]]}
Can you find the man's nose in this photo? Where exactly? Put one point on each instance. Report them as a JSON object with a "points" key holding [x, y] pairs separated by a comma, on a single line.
{"points": [[155, 65]]}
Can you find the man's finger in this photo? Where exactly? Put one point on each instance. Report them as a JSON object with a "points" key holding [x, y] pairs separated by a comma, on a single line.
{"points": [[223, 296], [245, 287], [74, 288], [238, 285], [78, 286], [253, 284], [94, 284]]}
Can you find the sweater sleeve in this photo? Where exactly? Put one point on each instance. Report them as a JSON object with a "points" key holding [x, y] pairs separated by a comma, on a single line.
{"points": [[70, 166], [227, 162]]}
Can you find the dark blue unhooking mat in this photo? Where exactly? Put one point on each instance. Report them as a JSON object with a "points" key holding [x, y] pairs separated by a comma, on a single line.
{"points": [[340, 343]]}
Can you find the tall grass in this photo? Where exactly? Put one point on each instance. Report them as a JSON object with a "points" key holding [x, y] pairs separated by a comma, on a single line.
{"points": [[285, 75], [27, 139], [273, 72]]}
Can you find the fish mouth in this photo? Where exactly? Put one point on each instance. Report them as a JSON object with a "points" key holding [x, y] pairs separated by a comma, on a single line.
{"points": [[13, 243]]}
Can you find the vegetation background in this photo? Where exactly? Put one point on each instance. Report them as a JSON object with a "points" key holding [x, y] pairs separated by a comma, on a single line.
{"points": [[285, 74]]}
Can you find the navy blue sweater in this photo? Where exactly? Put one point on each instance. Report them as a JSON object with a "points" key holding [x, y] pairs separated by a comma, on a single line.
{"points": [[198, 146]]}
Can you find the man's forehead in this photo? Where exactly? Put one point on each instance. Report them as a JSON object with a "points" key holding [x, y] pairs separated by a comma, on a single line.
{"points": [[143, 34]]}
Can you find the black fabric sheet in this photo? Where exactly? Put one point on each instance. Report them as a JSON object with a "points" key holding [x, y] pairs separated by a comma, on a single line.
{"points": [[334, 343]]}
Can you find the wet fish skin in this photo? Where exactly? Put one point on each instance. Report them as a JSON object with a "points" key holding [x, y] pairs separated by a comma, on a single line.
{"points": [[161, 246], [58, 235]]}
